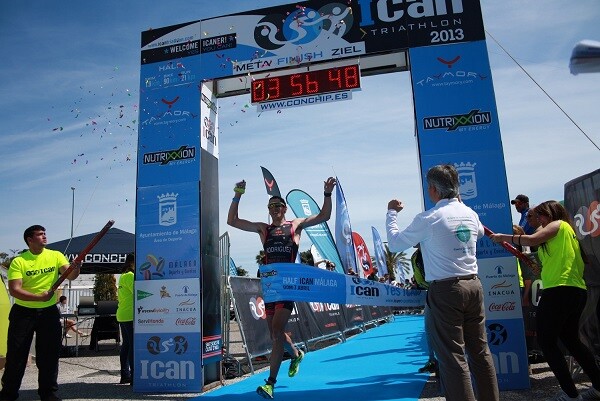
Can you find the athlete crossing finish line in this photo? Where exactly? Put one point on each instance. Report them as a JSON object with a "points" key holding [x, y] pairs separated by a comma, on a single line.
{"points": [[280, 242]]}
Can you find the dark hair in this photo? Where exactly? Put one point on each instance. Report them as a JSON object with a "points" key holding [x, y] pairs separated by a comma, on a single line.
{"points": [[277, 198], [62, 298], [444, 178], [31, 230], [554, 211], [129, 265]]}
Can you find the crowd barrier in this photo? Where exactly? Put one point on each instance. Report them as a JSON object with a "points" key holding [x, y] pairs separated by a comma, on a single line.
{"points": [[309, 323]]}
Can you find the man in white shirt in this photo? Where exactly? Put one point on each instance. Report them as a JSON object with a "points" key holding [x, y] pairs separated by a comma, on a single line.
{"points": [[448, 234]]}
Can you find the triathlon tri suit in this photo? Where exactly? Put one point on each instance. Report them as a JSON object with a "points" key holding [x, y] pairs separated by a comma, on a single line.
{"points": [[279, 247]]}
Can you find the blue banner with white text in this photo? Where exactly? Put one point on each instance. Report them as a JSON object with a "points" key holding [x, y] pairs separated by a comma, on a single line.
{"points": [[296, 282]]}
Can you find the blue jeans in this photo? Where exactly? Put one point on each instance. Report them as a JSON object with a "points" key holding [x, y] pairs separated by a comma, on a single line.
{"points": [[126, 354]]}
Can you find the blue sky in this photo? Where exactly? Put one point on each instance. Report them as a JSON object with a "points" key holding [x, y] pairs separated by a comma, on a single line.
{"points": [[69, 119]]}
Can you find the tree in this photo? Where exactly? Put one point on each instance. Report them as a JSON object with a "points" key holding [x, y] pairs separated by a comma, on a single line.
{"points": [[261, 258], [395, 259], [241, 272], [306, 258], [105, 287]]}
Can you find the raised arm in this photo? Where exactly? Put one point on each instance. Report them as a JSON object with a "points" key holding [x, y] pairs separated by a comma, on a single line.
{"points": [[232, 216], [325, 212]]}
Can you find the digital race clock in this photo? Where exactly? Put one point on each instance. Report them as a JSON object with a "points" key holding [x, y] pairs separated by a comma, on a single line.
{"points": [[305, 84]]}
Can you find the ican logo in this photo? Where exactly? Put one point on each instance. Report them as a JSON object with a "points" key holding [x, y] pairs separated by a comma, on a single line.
{"points": [[472, 119], [164, 157]]}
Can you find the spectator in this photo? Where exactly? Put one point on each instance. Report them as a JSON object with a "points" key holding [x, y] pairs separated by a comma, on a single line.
{"points": [[420, 283], [373, 276], [563, 298], [69, 324], [521, 203], [125, 318]]}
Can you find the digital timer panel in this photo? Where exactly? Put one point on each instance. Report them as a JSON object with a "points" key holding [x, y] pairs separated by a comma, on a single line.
{"points": [[305, 84]]}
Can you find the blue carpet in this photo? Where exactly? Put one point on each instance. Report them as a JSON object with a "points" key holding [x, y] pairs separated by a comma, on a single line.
{"points": [[380, 364]]}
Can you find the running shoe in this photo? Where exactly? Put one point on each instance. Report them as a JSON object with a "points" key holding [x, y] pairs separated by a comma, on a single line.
{"points": [[430, 367], [295, 364], [564, 397], [265, 391], [590, 394]]}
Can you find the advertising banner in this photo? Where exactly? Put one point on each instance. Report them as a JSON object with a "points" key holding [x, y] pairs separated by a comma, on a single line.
{"points": [[324, 319], [295, 282], [270, 183], [162, 305], [507, 344], [167, 232], [343, 232], [457, 122], [354, 315], [167, 362], [322, 30], [250, 312], [303, 205], [379, 252], [582, 201], [363, 257], [209, 139], [279, 37], [168, 139]]}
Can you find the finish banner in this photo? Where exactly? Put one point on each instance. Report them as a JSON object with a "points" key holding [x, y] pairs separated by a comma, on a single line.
{"points": [[296, 282]]}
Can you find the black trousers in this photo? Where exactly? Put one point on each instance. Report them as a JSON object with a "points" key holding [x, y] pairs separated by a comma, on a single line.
{"points": [[23, 322], [558, 316]]}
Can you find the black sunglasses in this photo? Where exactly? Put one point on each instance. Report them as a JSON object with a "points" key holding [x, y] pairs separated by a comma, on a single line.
{"points": [[274, 205]]}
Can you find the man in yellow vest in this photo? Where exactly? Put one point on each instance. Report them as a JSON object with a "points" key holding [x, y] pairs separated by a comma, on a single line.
{"points": [[30, 278]]}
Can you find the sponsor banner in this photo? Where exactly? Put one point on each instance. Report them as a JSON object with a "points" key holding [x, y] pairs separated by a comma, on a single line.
{"points": [[279, 37], [324, 319], [250, 312], [354, 315], [479, 189], [167, 362], [582, 201], [500, 281], [291, 281], [170, 43], [455, 105], [379, 251], [363, 257], [322, 30], [303, 205], [391, 25], [167, 232], [164, 74], [209, 139], [162, 305], [303, 101], [270, 183], [343, 232], [457, 122], [168, 141], [507, 344]]}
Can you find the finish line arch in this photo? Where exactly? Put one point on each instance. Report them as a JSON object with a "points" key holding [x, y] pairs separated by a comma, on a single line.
{"points": [[187, 67]]}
